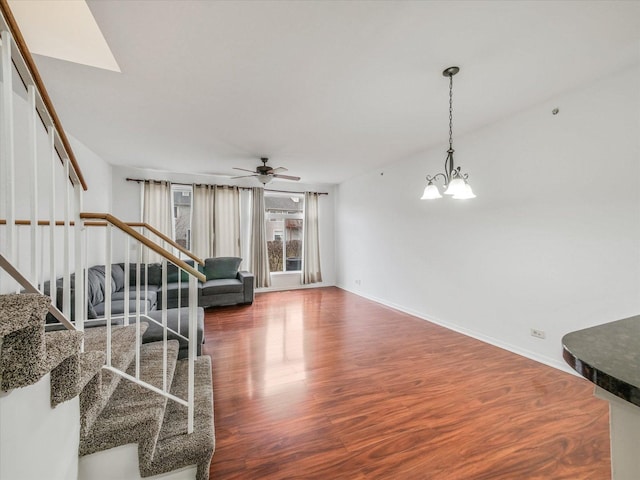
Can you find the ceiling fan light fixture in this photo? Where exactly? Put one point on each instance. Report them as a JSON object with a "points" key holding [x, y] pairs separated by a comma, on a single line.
{"points": [[265, 174], [265, 179]]}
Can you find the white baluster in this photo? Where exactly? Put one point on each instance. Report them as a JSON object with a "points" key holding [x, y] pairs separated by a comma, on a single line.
{"points": [[107, 289], [66, 293], [165, 386], [193, 336], [33, 155], [79, 265], [52, 218], [7, 147]]}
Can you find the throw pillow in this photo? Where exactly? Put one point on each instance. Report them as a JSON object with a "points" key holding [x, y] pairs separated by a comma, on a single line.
{"points": [[221, 267]]}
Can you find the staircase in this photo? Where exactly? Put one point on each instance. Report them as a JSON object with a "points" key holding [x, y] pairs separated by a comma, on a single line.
{"points": [[112, 412], [92, 403]]}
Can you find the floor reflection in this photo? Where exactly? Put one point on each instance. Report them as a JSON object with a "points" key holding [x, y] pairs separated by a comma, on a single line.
{"points": [[281, 345]]}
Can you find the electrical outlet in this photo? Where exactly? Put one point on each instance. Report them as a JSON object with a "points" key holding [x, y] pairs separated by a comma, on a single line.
{"points": [[538, 333], [357, 282]]}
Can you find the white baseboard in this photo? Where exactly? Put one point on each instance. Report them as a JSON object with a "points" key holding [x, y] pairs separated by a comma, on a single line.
{"points": [[551, 362], [121, 463]]}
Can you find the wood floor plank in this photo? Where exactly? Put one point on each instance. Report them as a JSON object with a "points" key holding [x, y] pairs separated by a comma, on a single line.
{"points": [[323, 384]]}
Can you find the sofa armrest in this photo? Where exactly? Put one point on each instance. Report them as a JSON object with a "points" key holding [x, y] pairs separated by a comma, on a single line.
{"points": [[247, 285]]}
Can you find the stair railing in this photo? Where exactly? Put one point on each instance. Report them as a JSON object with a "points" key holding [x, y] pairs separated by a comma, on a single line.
{"points": [[136, 307], [49, 180], [28, 287], [43, 180]]}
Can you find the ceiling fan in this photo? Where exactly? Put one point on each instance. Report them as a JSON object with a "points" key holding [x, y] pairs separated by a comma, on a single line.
{"points": [[266, 173]]}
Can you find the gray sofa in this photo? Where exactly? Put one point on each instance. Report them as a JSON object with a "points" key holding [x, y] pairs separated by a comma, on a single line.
{"points": [[225, 285]]}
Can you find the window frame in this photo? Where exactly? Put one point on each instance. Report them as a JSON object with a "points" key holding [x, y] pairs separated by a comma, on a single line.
{"points": [[284, 216], [176, 188]]}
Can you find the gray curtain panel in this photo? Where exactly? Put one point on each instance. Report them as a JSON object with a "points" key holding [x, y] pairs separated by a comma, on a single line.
{"points": [[259, 256], [311, 244]]}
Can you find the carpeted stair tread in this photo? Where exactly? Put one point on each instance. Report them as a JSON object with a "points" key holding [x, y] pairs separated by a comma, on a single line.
{"points": [[97, 393], [175, 448], [134, 413], [63, 360], [21, 310], [90, 364], [62, 345], [22, 345]]}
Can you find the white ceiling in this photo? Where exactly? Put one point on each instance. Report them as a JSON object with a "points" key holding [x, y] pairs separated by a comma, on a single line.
{"points": [[328, 89], [45, 26]]}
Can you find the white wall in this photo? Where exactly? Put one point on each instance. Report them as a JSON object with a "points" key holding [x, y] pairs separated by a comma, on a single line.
{"points": [[126, 205], [551, 242], [97, 174]]}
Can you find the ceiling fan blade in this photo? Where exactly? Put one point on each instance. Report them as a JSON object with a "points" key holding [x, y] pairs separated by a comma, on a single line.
{"points": [[245, 176], [244, 169], [286, 177], [279, 169]]}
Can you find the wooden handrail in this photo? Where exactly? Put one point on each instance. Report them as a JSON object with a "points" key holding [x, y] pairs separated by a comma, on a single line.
{"points": [[172, 242], [60, 223], [30, 288], [145, 241], [41, 223], [35, 74]]}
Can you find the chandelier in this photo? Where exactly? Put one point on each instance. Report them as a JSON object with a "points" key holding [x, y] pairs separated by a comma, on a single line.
{"points": [[455, 182]]}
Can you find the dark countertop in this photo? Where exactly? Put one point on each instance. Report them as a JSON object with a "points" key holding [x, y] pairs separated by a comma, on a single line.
{"points": [[609, 356]]}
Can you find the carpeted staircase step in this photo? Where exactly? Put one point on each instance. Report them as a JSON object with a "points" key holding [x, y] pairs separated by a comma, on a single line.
{"points": [[63, 360], [134, 413], [175, 448], [22, 345], [96, 394]]}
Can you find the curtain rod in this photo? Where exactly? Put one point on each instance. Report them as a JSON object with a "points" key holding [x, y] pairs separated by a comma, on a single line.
{"points": [[139, 180]]}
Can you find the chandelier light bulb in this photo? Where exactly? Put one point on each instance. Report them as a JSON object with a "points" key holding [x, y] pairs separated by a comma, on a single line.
{"points": [[465, 193], [456, 186], [430, 192]]}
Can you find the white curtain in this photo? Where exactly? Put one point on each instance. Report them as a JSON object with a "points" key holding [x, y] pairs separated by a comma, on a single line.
{"points": [[202, 221], [226, 242], [310, 244], [156, 210], [259, 257], [246, 196]]}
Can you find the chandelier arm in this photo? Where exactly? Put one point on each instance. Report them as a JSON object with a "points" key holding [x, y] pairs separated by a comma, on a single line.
{"points": [[433, 179]]}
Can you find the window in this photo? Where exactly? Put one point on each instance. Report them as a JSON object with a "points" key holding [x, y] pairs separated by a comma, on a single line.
{"points": [[284, 217], [181, 196]]}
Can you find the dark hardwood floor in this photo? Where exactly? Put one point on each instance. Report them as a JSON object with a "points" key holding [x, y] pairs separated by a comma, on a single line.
{"points": [[323, 384]]}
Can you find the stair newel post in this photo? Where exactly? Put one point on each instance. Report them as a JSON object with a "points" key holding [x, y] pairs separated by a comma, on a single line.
{"points": [[146, 283], [7, 154], [165, 386], [137, 301], [33, 157], [193, 336], [80, 301], [127, 276], [107, 288], [52, 217]]}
